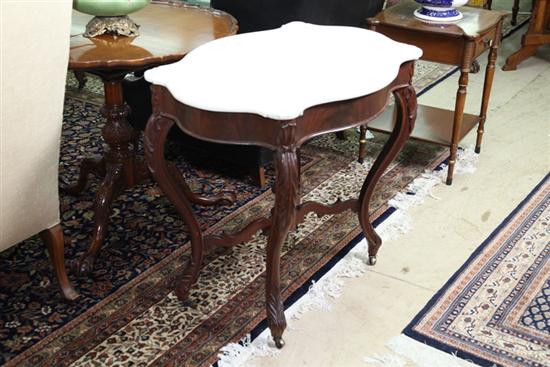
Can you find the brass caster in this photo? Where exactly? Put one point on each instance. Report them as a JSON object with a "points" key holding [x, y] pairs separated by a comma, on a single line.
{"points": [[372, 260], [279, 342]]}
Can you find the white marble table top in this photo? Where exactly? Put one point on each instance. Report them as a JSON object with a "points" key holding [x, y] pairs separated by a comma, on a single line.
{"points": [[281, 72]]}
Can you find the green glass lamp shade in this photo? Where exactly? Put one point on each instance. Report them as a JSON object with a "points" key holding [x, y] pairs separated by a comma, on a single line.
{"points": [[109, 8]]}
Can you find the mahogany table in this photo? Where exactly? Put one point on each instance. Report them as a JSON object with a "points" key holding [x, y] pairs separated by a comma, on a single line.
{"points": [[456, 43], [284, 99], [168, 31]]}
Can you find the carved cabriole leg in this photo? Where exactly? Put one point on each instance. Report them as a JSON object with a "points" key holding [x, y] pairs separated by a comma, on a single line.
{"points": [[283, 218], [53, 238], [406, 115], [459, 107], [489, 74], [155, 137], [362, 143]]}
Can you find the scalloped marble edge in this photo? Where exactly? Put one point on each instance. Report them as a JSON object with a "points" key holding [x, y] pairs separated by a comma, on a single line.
{"points": [[280, 73]]}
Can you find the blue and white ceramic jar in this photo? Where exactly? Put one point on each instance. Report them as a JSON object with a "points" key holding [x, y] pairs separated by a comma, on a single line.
{"points": [[439, 10]]}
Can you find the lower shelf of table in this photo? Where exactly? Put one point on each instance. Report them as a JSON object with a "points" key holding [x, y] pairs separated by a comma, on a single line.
{"points": [[433, 125]]}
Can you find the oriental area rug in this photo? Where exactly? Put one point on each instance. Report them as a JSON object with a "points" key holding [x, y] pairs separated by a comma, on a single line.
{"points": [[495, 310], [127, 313]]}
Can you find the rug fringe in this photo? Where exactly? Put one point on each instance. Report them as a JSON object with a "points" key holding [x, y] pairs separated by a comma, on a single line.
{"points": [[420, 354], [352, 265], [235, 354]]}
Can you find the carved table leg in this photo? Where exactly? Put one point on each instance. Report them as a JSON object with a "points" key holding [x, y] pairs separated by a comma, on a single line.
{"points": [[489, 74], [105, 195], [406, 115], [459, 108], [95, 166], [283, 217], [155, 136], [53, 238], [362, 143], [122, 169]]}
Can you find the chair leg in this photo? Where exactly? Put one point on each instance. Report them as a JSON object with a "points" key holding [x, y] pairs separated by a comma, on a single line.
{"points": [[53, 238]]}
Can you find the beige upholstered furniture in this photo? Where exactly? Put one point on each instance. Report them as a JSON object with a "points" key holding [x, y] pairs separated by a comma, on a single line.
{"points": [[35, 50]]}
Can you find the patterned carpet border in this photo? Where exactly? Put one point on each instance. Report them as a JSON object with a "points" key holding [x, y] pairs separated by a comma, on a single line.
{"points": [[525, 214]]}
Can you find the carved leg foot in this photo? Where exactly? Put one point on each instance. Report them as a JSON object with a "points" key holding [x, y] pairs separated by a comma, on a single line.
{"points": [[406, 115], [53, 238], [517, 57], [155, 137], [224, 198], [95, 166], [103, 200]]}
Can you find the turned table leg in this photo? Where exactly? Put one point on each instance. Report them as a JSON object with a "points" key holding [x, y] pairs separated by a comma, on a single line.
{"points": [[459, 108], [405, 99], [487, 85]]}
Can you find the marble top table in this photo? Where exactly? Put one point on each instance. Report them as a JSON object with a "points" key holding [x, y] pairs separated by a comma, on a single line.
{"points": [[294, 82]]}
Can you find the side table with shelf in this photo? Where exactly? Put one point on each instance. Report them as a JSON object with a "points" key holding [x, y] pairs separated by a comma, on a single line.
{"points": [[456, 43]]}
